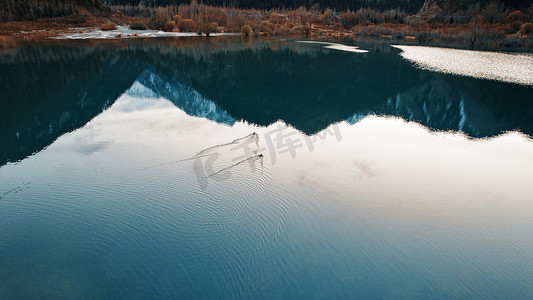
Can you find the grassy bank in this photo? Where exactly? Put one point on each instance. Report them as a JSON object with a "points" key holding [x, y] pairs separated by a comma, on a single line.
{"points": [[489, 26], [500, 27]]}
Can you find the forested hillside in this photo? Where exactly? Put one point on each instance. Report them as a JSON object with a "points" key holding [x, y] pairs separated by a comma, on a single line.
{"points": [[34, 9], [13, 10], [409, 6], [405, 5], [452, 6]]}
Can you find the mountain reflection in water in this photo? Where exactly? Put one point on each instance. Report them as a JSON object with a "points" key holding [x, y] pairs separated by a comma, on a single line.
{"points": [[51, 89]]}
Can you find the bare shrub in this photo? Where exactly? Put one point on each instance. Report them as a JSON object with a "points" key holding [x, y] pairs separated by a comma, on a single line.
{"points": [[349, 19], [163, 14], [267, 27], [186, 25], [213, 27], [526, 28], [108, 26], [246, 30], [169, 26], [235, 22], [289, 24]]}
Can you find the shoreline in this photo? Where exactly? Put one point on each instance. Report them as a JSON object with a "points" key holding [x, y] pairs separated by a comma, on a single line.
{"points": [[83, 34], [17, 33], [503, 28]]}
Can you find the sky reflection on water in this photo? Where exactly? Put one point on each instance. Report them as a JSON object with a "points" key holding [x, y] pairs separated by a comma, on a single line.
{"points": [[372, 206]]}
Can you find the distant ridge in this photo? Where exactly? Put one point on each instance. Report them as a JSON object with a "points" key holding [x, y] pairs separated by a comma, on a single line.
{"points": [[431, 8]]}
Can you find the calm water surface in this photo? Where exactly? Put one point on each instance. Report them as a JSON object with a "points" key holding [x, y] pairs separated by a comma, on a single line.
{"points": [[277, 169]]}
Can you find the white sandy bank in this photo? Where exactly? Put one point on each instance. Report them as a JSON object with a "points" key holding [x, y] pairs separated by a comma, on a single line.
{"points": [[506, 67]]}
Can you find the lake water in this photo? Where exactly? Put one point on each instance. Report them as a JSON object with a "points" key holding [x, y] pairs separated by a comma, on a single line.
{"points": [[272, 169]]}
